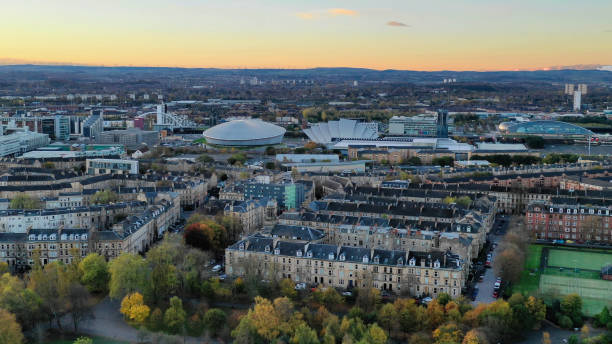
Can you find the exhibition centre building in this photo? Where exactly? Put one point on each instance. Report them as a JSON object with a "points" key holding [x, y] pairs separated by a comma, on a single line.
{"points": [[244, 132]]}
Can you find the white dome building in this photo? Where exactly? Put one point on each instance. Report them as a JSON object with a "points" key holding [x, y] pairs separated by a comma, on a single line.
{"points": [[244, 132]]}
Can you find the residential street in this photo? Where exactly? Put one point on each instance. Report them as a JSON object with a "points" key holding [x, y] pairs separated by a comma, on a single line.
{"points": [[485, 292]]}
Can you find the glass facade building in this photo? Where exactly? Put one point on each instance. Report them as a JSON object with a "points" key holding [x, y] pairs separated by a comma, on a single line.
{"points": [[550, 128]]}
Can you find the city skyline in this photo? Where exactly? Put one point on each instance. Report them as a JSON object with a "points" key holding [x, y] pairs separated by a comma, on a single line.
{"points": [[437, 35]]}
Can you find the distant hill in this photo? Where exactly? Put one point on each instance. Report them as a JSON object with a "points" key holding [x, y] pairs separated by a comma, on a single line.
{"points": [[603, 75]]}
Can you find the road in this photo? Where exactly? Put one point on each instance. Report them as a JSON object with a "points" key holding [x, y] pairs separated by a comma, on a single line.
{"points": [[485, 292]]}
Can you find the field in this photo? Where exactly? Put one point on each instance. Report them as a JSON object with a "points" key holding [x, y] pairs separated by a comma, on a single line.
{"points": [[578, 259], [561, 271]]}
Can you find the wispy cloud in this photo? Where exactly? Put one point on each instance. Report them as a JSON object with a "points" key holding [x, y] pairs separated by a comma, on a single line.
{"points": [[342, 12], [397, 24], [306, 15], [328, 13]]}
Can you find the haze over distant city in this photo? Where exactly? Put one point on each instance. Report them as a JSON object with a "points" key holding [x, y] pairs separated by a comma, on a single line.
{"points": [[386, 34]]}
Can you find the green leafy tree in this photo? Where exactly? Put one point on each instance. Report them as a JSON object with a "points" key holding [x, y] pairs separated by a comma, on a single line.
{"points": [[10, 330], [24, 201], [205, 159], [51, 284], [174, 318], [83, 340], [214, 320], [156, 320], [571, 305], [104, 197], [304, 335], [24, 303], [375, 335], [603, 318], [464, 201], [128, 274], [163, 276], [448, 334], [387, 317], [287, 288], [94, 273]]}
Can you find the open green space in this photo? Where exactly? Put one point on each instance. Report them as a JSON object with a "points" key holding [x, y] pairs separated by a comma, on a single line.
{"points": [[569, 271], [594, 293], [590, 260], [530, 277]]}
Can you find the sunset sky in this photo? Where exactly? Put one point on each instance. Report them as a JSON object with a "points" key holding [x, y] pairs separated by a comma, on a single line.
{"points": [[380, 34]]}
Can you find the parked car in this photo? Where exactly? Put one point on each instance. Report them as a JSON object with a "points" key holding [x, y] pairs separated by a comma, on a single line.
{"points": [[300, 286], [426, 300], [347, 293], [481, 278], [216, 268], [496, 294]]}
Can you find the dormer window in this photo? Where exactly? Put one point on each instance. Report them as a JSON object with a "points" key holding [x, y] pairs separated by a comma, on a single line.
{"points": [[469, 229], [365, 259], [44, 237], [84, 237], [437, 264], [64, 236], [298, 253], [569, 211], [32, 237], [277, 251], [400, 261], [309, 254], [376, 260], [267, 248], [581, 211], [52, 237], [342, 257], [560, 210], [330, 256], [412, 261], [241, 247], [551, 210], [39, 237]]}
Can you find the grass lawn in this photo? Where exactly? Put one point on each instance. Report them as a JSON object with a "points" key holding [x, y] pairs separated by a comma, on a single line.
{"points": [[581, 259], [530, 277], [534, 252]]}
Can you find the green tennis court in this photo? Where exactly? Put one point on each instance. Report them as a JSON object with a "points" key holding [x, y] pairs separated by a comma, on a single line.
{"points": [[595, 293], [588, 260]]}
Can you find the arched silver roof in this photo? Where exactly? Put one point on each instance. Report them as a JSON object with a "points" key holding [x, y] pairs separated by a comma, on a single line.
{"points": [[245, 132]]}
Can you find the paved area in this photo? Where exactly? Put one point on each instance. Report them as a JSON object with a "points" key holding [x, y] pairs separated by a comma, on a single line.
{"points": [[108, 322], [557, 335], [485, 288]]}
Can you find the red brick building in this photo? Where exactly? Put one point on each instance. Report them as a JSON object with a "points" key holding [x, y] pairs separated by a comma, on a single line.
{"points": [[575, 222]]}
